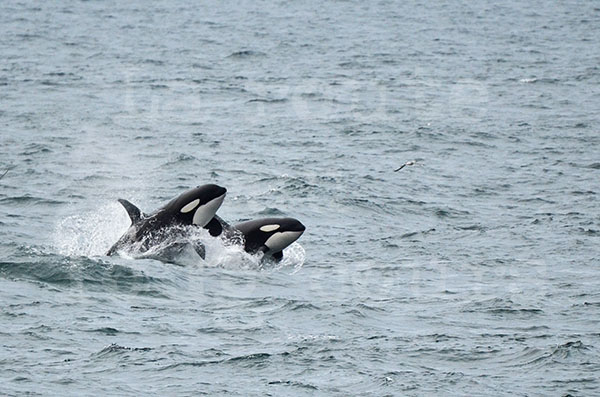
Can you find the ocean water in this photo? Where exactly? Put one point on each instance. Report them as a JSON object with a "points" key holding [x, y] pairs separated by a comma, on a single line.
{"points": [[475, 271]]}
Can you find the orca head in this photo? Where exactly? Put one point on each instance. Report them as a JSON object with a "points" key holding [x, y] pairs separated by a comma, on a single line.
{"points": [[283, 233], [270, 235], [199, 205]]}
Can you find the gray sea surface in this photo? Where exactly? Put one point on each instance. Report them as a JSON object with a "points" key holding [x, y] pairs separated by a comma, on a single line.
{"points": [[475, 271]]}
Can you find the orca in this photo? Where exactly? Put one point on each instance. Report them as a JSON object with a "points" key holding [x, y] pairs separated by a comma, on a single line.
{"points": [[267, 235], [162, 233]]}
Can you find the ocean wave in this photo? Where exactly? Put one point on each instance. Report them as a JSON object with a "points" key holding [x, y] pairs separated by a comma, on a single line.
{"points": [[500, 306], [68, 271], [551, 355], [263, 100], [115, 350], [293, 383], [27, 199], [246, 54]]}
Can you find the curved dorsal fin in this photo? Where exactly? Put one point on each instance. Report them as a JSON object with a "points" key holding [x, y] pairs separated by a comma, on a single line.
{"points": [[134, 212]]}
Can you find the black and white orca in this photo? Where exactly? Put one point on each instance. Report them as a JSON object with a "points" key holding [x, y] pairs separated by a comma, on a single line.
{"points": [[267, 235], [165, 228]]}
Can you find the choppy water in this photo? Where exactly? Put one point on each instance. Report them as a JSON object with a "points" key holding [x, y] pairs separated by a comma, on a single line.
{"points": [[474, 272]]}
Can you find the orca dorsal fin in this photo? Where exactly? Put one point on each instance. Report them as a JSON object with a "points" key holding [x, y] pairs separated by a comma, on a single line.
{"points": [[134, 212]]}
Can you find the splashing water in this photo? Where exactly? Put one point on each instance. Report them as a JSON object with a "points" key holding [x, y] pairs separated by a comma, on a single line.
{"points": [[293, 257], [93, 233]]}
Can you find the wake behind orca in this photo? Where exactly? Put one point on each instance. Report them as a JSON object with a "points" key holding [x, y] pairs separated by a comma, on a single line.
{"points": [[164, 234]]}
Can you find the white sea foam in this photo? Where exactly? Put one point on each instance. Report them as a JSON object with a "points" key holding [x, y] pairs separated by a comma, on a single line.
{"points": [[91, 233]]}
